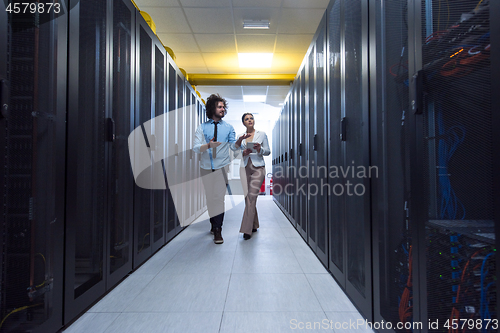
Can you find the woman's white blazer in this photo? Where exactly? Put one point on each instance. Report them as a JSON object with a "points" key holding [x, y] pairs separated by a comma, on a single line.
{"points": [[257, 158]]}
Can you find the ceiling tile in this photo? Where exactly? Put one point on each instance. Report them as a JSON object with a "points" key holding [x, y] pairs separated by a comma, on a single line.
{"points": [[287, 59], [241, 14], [158, 3], [302, 21], [189, 60], [293, 43], [285, 70], [223, 70], [278, 90], [168, 19], [216, 42], [227, 90], [205, 3], [254, 70], [306, 4], [255, 43], [254, 90], [179, 42], [196, 70], [221, 60], [257, 3], [211, 20]]}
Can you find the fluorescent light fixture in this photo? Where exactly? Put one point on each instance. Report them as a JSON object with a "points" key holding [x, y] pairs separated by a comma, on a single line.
{"points": [[256, 24], [254, 98], [255, 60]]}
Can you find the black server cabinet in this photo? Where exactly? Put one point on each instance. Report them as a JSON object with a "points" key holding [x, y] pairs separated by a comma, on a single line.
{"points": [[350, 242], [311, 200], [495, 86], [455, 155], [190, 109], [180, 146], [198, 186], [303, 124], [356, 155], [172, 166], [143, 196], [318, 190], [87, 152], [32, 141], [389, 91], [160, 193], [336, 220], [188, 152], [294, 149], [121, 124], [285, 156]]}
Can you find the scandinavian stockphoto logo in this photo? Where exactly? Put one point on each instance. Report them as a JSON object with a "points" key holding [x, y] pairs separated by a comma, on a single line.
{"points": [[335, 180]]}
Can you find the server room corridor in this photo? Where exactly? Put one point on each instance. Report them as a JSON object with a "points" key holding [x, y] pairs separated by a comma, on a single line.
{"points": [[270, 283]]}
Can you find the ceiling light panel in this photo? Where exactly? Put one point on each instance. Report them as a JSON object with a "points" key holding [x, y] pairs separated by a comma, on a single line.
{"points": [[252, 13], [255, 60], [256, 24], [257, 3], [254, 98]]}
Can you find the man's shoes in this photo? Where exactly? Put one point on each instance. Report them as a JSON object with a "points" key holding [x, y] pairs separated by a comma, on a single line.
{"points": [[218, 236], [212, 229], [246, 236], [254, 230]]}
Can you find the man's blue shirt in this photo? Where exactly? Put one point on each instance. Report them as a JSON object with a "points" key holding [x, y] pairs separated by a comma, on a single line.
{"points": [[225, 134]]}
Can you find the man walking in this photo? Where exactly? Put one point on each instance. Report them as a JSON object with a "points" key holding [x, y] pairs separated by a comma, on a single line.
{"points": [[213, 139]]}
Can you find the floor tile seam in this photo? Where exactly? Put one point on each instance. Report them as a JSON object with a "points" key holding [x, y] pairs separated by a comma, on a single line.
{"points": [[275, 311], [144, 287], [111, 323], [295, 255], [301, 273], [175, 254], [314, 292], [229, 283], [168, 311]]}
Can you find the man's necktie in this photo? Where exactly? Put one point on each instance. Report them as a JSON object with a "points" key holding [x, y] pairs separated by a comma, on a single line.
{"points": [[214, 153]]}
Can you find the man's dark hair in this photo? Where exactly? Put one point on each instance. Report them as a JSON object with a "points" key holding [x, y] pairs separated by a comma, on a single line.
{"points": [[212, 102]]}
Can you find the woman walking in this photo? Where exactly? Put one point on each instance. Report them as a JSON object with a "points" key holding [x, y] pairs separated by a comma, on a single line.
{"points": [[252, 172]]}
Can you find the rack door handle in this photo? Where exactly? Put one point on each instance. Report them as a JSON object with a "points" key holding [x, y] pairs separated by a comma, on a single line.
{"points": [[4, 98], [343, 129]]}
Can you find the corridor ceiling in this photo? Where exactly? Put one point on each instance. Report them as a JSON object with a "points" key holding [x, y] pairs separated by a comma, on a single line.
{"points": [[207, 35]]}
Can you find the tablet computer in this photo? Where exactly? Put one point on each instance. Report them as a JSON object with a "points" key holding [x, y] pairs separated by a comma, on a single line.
{"points": [[250, 146]]}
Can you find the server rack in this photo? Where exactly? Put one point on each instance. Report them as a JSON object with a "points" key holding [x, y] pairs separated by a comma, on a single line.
{"points": [[454, 138], [392, 242], [173, 219], [144, 112], [121, 124], [294, 151], [336, 213], [318, 171], [68, 228], [426, 146], [88, 149], [302, 149], [32, 140], [356, 153], [159, 195]]}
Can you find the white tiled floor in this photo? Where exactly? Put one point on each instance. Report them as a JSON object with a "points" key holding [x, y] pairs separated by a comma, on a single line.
{"points": [[270, 283]]}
